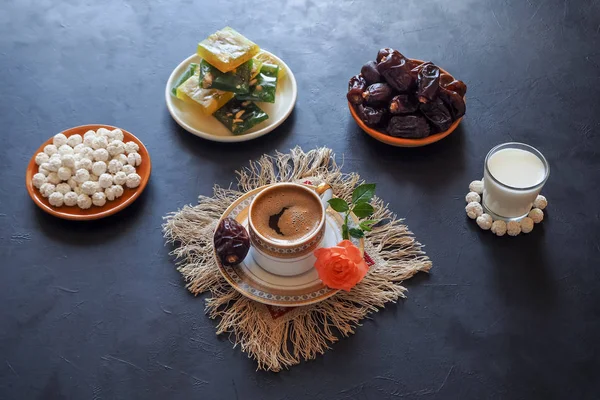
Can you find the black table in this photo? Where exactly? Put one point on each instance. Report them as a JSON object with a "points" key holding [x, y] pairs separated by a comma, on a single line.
{"points": [[97, 310]]}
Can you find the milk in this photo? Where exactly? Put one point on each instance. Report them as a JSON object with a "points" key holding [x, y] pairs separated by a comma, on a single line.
{"points": [[513, 177]]}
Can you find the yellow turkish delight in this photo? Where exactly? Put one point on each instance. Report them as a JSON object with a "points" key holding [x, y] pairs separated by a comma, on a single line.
{"points": [[210, 100], [227, 49]]}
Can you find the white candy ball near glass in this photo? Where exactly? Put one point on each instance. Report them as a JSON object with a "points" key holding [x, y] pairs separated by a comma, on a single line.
{"points": [[513, 228], [101, 155], [540, 202], [133, 181], [116, 147], [38, 180], [82, 175], [56, 199], [499, 228], [526, 225], [64, 173], [84, 201], [474, 210], [54, 164], [41, 158], [536, 215], [118, 189], [50, 149], [114, 166], [131, 147], [63, 188], [99, 199], [120, 178], [47, 189], [70, 199], [105, 180], [128, 169], [65, 149], [53, 178], [68, 160], [476, 186], [74, 140], [118, 134], [59, 139], [485, 221], [473, 197], [98, 168], [134, 159]]}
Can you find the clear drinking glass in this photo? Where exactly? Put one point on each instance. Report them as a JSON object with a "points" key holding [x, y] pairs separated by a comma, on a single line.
{"points": [[514, 174]]}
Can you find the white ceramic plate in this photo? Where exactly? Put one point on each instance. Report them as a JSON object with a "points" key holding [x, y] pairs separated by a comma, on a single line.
{"points": [[252, 281], [190, 118]]}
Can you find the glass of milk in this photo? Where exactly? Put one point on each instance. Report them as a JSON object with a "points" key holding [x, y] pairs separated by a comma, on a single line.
{"points": [[514, 174]]}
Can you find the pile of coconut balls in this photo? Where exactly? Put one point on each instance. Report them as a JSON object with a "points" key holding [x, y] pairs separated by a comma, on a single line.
{"points": [[81, 171]]}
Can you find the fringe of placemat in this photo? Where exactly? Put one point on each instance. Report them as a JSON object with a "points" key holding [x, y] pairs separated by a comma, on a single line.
{"points": [[304, 332]]}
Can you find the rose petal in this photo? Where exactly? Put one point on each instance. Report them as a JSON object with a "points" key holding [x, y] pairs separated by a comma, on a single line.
{"points": [[353, 252]]}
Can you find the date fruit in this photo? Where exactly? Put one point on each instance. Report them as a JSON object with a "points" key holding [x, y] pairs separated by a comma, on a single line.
{"points": [[438, 114], [370, 116], [458, 87], [395, 70], [231, 242], [378, 94], [428, 83], [384, 53], [408, 126], [404, 104], [370, 73], [356, 87], [454, 102]]}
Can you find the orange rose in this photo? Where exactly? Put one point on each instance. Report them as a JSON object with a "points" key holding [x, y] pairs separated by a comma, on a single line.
{"points": [[341, 266]]}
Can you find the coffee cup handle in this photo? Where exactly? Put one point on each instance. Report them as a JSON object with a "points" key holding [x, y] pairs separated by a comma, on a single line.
{"points": [[325, 192]]}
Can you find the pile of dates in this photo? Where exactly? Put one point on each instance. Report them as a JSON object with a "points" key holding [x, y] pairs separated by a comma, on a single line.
{"points": [[404, 97]]}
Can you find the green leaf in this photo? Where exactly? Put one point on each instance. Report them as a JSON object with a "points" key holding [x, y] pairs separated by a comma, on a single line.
{"points": [[363, 193], [338, 204], [345, 232], [363, 210], [356, 233], [367, 225]]}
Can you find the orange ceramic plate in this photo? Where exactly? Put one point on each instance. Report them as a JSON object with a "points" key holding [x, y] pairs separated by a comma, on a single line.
{"points": [[402, 142], [94, 212]]}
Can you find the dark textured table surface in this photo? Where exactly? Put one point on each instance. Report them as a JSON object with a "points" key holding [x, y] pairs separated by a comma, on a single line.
{"points": [[97, 310]]}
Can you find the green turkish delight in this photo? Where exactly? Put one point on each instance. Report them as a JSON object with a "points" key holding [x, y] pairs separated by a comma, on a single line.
{"points": [[236, 80], [190, 71], [263, 87], [239, 116]]}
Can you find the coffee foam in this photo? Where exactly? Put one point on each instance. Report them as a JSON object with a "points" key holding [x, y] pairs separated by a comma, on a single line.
{"points": [[300, 213]]}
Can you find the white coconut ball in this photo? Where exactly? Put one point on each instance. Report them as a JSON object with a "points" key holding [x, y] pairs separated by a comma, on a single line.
{"points": [[116, 147], [54, 164], [122, 158], [65, 149], [98, 168], [484, 221], [118, 134], [476, 186], [88, 187], [128, 169], [536, 215], [64, 173], [133, 181], [84, 163], [109, 192], [41, 158], [44, 168], [105, 180], [114, 166], [526, 225], [473, 197], [513, 228], [101, 155], [540, 202], [72, 182], [77, 149], [53, 178], [131, 147], [70, 199], [474, 210], [99, 142], [118, 189], [68, 160], [38, 180], [84, 201], [63, 188], [47, 189], [59, 139], [99, 199], [77, 190], [134, 159], [82, 175], [74, 140], [56, 199], [499, 228], [50, 149], [120, 178]]}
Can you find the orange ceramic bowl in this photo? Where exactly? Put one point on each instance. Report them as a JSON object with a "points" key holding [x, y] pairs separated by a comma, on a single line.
{"points": [[94, 212], [402, 142]]}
